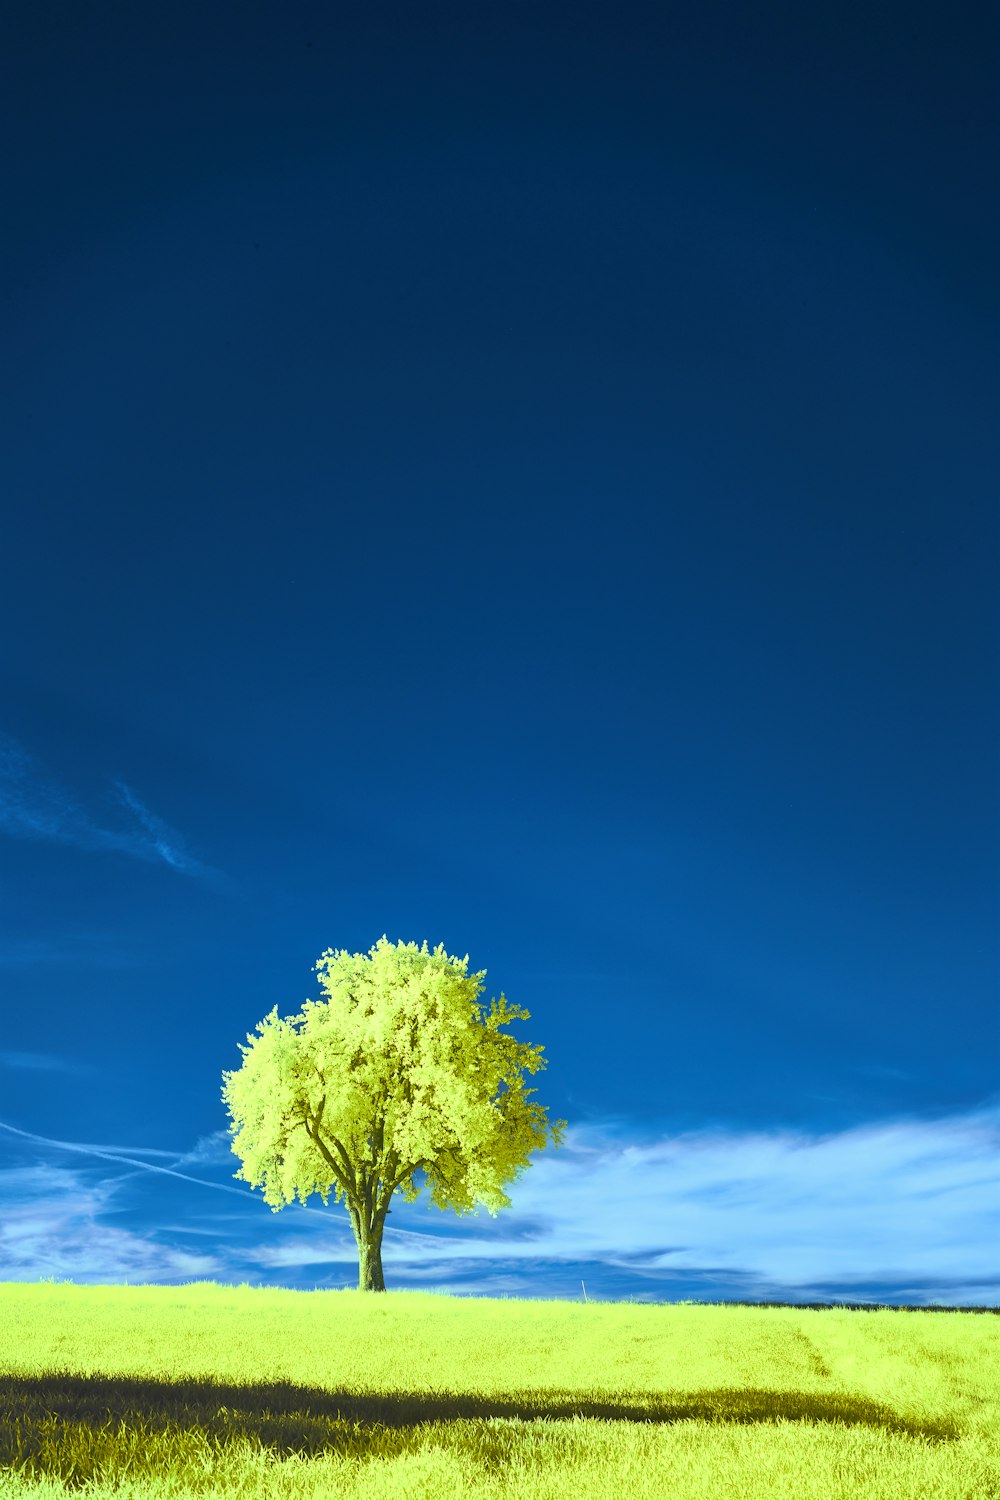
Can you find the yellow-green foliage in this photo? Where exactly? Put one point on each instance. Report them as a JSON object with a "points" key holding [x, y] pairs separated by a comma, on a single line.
{"points": [[149, 1392], [397, 1069]]}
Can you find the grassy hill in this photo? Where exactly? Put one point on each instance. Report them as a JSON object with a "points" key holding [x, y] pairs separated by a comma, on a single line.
{"points": [[238, 1391]]}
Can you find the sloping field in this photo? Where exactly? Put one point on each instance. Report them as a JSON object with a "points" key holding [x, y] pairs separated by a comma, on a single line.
{"points": [[224, 1391]]}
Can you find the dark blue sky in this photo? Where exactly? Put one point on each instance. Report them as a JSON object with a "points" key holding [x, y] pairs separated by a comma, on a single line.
{"points": [[523, 478]]}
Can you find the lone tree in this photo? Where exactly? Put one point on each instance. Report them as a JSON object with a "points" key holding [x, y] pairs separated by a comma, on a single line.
{"points": [[396, 1070]]}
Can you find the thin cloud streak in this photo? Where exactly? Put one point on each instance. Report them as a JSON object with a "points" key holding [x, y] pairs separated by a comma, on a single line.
{"points": [[164, 843], [43, 1062], [115, 1155], [35, 806], [82, 949], [130, 1161]]}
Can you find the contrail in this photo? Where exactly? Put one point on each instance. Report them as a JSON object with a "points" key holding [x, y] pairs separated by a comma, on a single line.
{"points": [[130, 1161]]}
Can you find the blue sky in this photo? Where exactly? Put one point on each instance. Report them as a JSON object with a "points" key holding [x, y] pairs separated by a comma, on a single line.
{"points": [[525, 482]]}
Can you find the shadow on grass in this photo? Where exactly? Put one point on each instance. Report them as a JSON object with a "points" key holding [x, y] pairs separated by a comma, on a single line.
{"points": [[75, 1427], [200, 1399], [45, 1413]]}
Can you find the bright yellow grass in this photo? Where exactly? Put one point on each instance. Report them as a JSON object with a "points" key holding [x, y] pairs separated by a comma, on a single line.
{"points": [[222, 1391]]}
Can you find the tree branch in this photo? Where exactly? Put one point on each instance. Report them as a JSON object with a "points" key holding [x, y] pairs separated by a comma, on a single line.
{"points": [[385, 1196], [348, 1169], [342, 1169]]}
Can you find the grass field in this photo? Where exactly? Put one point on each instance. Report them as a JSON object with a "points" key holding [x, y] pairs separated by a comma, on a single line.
{"points": [[237, 1391]]}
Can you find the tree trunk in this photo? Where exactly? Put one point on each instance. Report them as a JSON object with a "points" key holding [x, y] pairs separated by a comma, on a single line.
{"points": [[370, 1278]]}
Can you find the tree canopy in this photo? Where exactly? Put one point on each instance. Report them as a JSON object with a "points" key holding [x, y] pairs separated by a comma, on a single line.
{"points": [[396, 1070]]}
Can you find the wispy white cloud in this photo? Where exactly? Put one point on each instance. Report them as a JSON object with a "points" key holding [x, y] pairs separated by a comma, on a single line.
{"points": [[908, 1203], [211, 1149], [51, 1227], [912, 1197], [33, 805]]}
